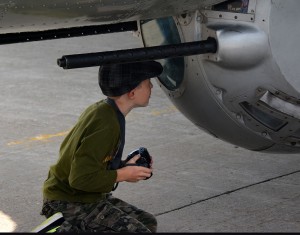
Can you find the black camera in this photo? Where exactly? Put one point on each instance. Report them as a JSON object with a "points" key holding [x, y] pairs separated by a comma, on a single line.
{"points": [[144, 160]]}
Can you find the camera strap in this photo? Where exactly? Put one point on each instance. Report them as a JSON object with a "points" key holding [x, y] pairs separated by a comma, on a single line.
{"points": [[116, 162]]}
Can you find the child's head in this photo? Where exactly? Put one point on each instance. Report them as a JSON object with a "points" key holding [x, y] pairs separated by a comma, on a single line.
{"points": [[118, 79]]}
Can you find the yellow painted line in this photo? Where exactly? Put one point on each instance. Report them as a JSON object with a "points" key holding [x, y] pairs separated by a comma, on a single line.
{"points": [[167, 110], [38, 138]]}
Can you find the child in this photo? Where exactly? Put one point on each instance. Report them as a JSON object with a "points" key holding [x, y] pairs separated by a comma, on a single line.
{"points": [[79, 185]]}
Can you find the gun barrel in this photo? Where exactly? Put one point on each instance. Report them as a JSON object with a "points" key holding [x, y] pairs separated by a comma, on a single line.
{"points": [[137, 54]]}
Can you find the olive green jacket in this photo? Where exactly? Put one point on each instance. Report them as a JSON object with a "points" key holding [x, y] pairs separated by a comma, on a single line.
{"points": [[81, 174]]}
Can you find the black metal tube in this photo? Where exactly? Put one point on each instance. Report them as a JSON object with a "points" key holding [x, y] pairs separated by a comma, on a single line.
{"points": [[137, 54]]}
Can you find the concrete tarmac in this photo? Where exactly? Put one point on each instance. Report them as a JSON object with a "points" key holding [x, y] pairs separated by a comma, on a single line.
{"points": [[199, 183]]}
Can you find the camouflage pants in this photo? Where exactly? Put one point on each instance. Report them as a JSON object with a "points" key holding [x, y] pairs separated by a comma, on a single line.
{"points": [[109, 215]]}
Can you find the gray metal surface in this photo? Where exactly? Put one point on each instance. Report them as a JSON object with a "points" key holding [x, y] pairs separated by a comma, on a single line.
{"points": [[225, 92], [200, 183], [28, 15]]}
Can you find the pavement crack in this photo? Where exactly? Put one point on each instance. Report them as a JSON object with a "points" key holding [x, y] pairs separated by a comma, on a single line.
{"points": [[226, 193]]}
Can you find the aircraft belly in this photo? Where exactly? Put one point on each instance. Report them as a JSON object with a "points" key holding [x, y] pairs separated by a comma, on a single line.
{"points": [[28, 15]]}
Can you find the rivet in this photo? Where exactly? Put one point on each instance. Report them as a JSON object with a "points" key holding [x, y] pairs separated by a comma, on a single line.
{"points": [[264, 133]]}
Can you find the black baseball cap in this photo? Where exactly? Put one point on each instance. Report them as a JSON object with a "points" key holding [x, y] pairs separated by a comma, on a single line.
{"points": [[118, 79]]}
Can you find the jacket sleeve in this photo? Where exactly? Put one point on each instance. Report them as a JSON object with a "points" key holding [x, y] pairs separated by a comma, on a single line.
{"points": [[88, 169]]}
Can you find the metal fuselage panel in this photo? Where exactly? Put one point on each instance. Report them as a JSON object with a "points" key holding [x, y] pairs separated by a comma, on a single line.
{"points": [[32, 15]]}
